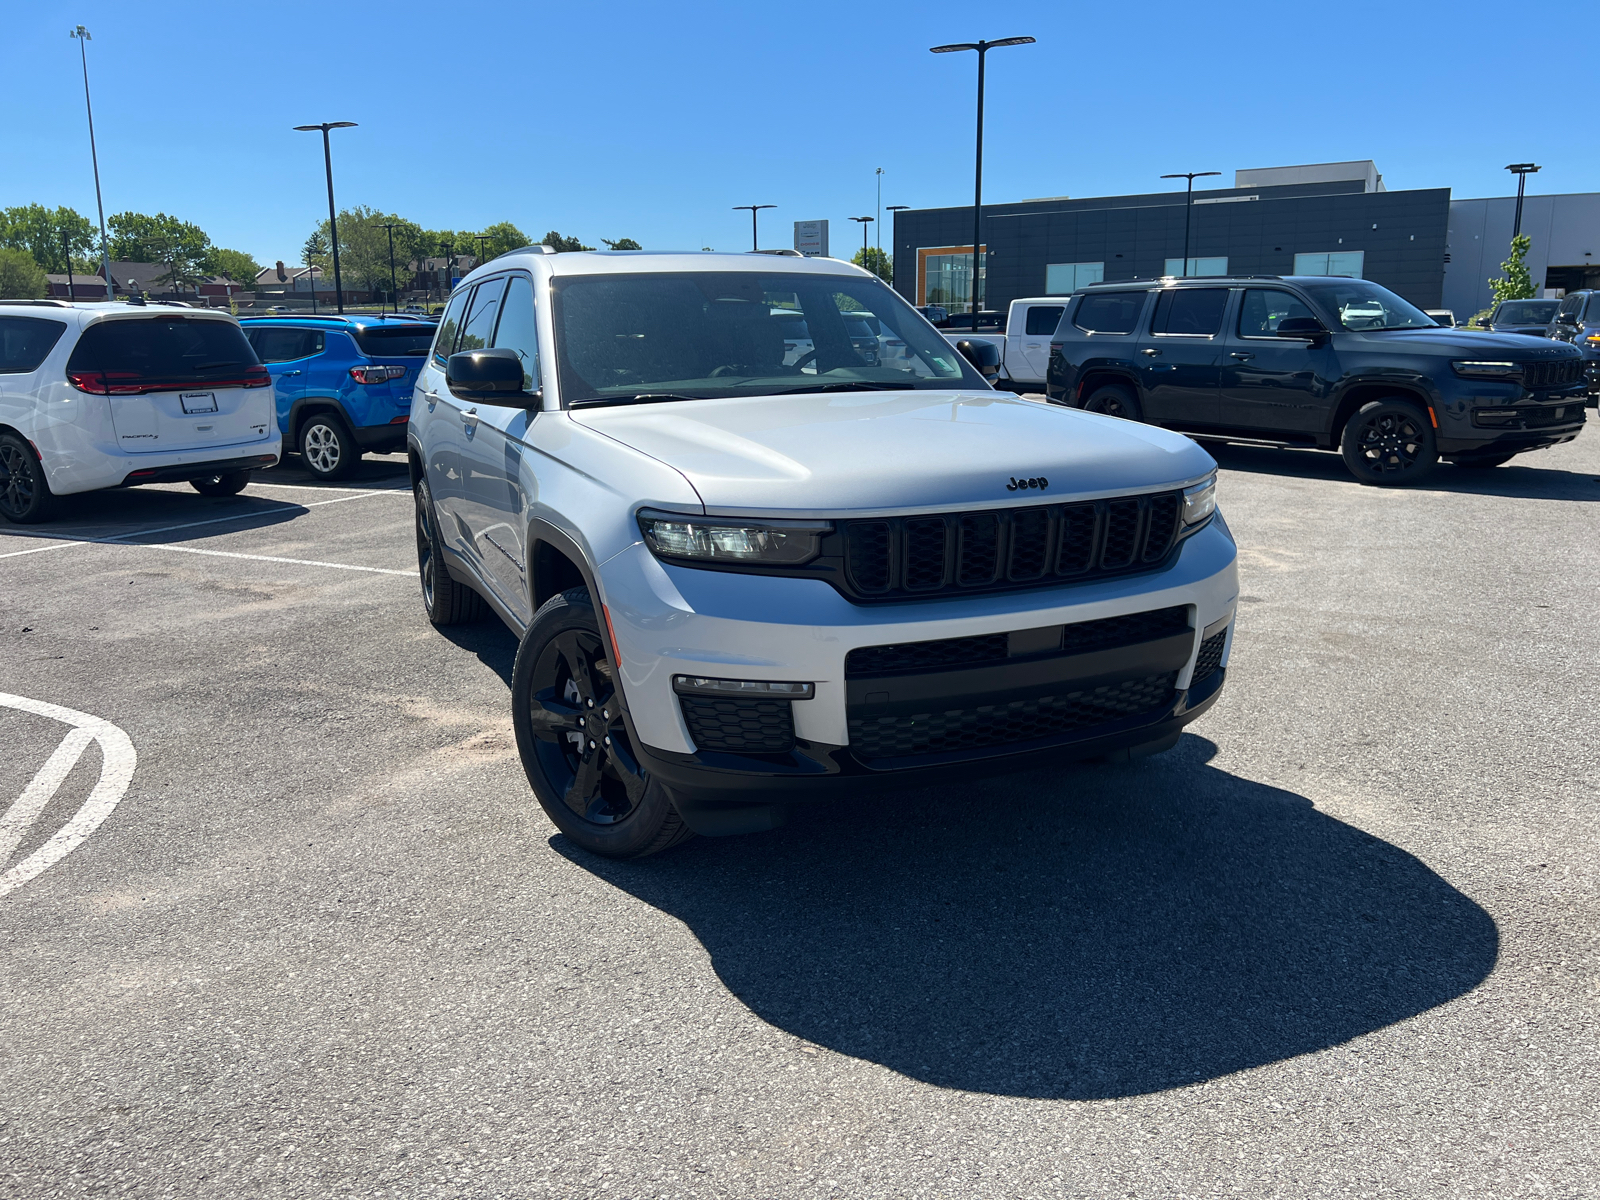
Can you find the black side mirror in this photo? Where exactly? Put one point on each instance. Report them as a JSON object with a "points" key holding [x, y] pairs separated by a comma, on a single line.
{"points": [[1302, 327], [492, 376], [985, 356]]}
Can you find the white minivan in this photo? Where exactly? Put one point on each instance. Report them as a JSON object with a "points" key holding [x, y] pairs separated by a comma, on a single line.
{"points": [[109, 395]]}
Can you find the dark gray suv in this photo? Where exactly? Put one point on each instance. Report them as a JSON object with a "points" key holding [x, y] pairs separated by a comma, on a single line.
{"points": [[1578, 322], [1321, 361]]}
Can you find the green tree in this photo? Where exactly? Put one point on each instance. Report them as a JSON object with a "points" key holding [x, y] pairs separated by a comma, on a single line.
{"points": [[315, 252], [364, 248], [876, 261], [1514, 283], [20, 277], [234, 264], [40, 230], [622, 244], [563, 245], [138, 237]]}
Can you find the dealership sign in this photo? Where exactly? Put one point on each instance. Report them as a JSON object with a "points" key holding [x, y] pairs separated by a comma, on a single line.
{"points": [[811, 238]]}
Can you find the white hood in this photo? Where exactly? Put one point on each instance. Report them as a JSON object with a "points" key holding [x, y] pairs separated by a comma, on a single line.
{"points": [[896, 452]]}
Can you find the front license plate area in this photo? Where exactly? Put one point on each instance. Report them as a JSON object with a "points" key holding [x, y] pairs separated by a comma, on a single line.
{"points": [[198, 402]]}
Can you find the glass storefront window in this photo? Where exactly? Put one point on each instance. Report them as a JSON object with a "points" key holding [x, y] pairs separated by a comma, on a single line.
{"points": [[1197, 266], [1062, 278], [1336, 262], [946, 277]]}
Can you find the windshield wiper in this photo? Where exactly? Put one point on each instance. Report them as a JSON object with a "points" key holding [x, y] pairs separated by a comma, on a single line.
{"points": [[641, 398], [860, 386]]}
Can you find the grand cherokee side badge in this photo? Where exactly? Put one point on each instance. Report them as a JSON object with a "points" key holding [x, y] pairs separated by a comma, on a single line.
{"points": [[1039, 482]]}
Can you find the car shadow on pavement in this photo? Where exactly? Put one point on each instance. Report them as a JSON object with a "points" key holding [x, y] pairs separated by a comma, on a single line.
{"points": [[489, 639], [1089, 934], [1514, 480]]}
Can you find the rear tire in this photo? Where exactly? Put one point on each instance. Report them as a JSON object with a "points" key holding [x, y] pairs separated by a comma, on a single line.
{"points": [[1481, 461], [1114, 400], [25, 495], [446, 601], [574, 744], [327, 446], [229, 483], [1389, 443]]}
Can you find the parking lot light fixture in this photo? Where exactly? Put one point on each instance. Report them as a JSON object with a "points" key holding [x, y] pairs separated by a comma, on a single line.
{"points": [[82, 36], [394, 286], [1188, 207], [863, 222], [481, 238], [755, 243], [1521, 171], [333, 219], [983, 49]]}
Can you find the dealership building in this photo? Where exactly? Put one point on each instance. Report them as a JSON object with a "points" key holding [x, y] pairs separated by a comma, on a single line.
{"points": [[1318, 219]]}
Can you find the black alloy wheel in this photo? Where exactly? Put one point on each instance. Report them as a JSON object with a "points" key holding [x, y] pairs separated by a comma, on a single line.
{"points": [[1389, 443], [225, 483], [574, 742], [1114, 401], [447, 602], [25, 495]]}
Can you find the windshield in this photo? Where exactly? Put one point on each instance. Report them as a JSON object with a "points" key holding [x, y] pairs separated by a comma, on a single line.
{"points": [[1527, 312], [1358, 304], [704, 334]]}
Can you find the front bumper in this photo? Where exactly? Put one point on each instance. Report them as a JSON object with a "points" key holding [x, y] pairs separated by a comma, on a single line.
{"points": [[1513, 427], [671, 621]]}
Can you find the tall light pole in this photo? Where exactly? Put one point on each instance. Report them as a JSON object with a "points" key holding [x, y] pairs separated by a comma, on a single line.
{"points": [[394, 286], [333, 220], [481, 238], [754, 208], [1521, 171], [66, 249], [983, 49], [894, 208], [1188, 207], [880, 208], [863, 222], [82, 35]]}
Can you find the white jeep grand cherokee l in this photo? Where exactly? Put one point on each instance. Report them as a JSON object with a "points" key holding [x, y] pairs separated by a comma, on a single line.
{"points": [[108, 395], [741, 581]]}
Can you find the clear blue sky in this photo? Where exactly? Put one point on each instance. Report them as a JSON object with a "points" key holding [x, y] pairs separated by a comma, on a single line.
{"points": [[651, 120]]}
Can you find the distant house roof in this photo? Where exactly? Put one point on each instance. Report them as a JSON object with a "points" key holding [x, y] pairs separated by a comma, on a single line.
{"points": [[145, 276]]}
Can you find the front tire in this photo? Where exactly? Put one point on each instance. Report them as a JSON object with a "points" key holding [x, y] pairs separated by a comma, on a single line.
{"points": [[1389, 443], [25, 496], [228, 483], [327, 446], [1114, 400], [574, 743], [447, 602]]}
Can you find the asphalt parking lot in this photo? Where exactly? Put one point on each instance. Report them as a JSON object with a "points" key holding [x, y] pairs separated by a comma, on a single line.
{"points": [[322, 942]]}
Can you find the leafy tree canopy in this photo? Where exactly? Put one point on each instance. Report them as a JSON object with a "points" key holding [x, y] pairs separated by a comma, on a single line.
{"points": [[20, 277], [39, 231], [138, 237], [876, 261], [561, 244], [622, 244], [235, 264], [1515, 282]]}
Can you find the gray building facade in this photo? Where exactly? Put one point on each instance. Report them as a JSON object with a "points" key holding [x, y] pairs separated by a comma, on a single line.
{"points": [[1335, 226], [1564, 254]]}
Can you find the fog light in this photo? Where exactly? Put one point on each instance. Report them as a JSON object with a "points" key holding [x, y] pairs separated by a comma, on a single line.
{"points": [[696, 685]]}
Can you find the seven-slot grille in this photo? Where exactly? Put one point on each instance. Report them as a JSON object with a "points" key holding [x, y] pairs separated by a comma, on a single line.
{"points": [[908, 557], [1558, 373]]}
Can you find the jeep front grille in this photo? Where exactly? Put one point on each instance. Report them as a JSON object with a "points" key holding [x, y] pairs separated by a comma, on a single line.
{"points": [[1563, 372]]}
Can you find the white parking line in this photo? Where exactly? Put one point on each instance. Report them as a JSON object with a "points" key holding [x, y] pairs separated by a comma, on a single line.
{"points": [[302, 562], [122, 538], [117, 761]]}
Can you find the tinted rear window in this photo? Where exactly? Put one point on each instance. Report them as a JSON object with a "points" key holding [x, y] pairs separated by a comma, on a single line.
{"points": [[177, 349], [389, 340], [1110, 312], [1042, 320], [24, 342]]}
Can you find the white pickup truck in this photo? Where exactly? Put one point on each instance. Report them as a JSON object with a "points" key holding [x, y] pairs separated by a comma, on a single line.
{"points": [[1024, 345]]}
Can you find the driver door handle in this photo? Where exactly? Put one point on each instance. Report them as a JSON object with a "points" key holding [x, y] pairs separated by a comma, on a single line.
{"points": [[1152, 352], [470, 417], [286, 374], [1241, 355]]}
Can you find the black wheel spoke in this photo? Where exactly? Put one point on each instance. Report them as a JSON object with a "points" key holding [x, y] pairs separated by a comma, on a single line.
{"points": [[551, 717], [583, 793]]}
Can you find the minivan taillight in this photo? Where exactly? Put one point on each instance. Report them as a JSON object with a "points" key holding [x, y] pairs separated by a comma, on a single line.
{"points": [[134, 383], [376, 374]]}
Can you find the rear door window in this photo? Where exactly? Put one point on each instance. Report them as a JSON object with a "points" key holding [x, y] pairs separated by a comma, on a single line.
{"points": [[1109, 312], [25, 341], [1043, 319], [477, 331], [450, 327], [163, 349], [1189, 312], [408, 340], [285, 344]]}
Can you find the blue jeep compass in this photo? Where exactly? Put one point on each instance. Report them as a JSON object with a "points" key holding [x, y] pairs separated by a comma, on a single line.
{"points": [[343, 383]]}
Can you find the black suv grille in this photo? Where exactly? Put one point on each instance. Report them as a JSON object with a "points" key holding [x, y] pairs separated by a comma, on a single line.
{"points": [[1008, 724], [1108, 633], [904, 558], [1563, 372], [738, 725]]}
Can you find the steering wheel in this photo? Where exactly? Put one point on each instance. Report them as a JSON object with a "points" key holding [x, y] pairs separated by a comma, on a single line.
{"points": [[719, 372], [805, 360]]}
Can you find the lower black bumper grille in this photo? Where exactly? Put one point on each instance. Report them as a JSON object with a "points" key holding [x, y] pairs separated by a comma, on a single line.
{"points": [[739, 726], [1011, 723], [1209, 660]]}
